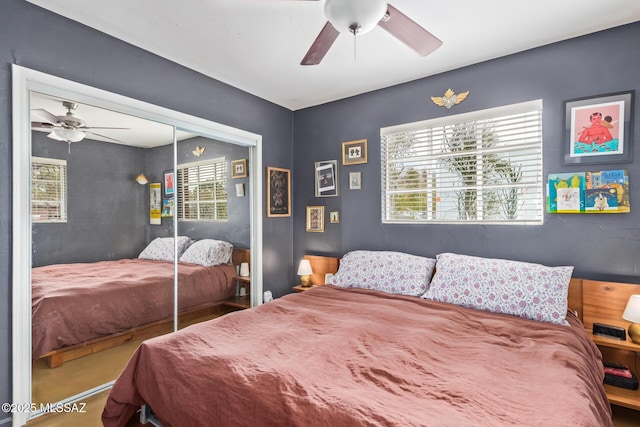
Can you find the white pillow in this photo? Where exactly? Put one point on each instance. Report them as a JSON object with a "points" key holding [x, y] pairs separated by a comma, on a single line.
{"points": [[161, 248], [530, 291], [208, 252], [392, 272]]}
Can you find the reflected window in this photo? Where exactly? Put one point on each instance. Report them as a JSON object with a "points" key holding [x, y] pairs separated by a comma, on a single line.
{"points": [[48, 190], [202, 190]]}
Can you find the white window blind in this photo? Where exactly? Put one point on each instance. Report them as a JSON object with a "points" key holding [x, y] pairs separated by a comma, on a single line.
{"points": [[202, 190], [480, 167], [48, 190]]}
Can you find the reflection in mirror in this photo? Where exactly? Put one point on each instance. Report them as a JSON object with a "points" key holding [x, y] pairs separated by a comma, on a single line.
{"points": [[211, 205], [90, 220]]}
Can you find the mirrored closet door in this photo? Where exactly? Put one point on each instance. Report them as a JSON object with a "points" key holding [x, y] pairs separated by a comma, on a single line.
{"points": [[108, 184], [92, 215]]}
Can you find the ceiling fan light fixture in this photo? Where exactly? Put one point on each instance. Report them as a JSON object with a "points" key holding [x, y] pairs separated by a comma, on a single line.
{"points": [[67, 135], [355, 16]]}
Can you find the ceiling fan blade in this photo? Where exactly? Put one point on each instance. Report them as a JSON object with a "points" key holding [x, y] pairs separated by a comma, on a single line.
{"points": [[105, 136], [409, 32], [40, 125], [43, 116], [98, 127], [321, 45]]}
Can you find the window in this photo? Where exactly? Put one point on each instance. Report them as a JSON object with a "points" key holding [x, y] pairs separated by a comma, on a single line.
{"points": [[480, 167], [202, 190], [48, 190]]}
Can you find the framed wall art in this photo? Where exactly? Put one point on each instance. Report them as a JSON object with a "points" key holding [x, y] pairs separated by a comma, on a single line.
{"points": [[168, 181], [168, 206], [599, 129], [239, 168], [315, 219], [155, 203], [354, 152], [278, 192], [355, 180], [326, 178]]}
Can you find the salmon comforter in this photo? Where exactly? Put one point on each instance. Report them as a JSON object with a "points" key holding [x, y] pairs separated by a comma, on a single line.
{"points": [[73, 303], [351, 357]]}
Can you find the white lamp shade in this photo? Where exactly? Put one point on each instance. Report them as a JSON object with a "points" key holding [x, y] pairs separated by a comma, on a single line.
{"points": [[632, 312], [304, 269], [344, 13], [244, 269], [67, 135]]}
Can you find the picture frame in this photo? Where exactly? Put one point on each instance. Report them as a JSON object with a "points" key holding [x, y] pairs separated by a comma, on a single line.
{"points": [[334, 217], [168, 183], [239, 168], [355, 180], [354, 152], [278, 192], [599, 129], [326, 178], [168, 207], [315, 219], [155, 203]]}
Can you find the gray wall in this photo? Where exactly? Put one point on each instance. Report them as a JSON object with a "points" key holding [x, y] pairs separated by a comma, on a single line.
{"points": [[599, 246], [106, 215], [37, 39]]}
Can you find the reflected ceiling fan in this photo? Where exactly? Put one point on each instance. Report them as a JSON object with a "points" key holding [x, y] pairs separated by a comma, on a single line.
{"points": [[361, 16], [69, 128]]}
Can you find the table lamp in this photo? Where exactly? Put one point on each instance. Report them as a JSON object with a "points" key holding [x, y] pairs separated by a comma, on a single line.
{"points": [[632, 314], [304, 270]]}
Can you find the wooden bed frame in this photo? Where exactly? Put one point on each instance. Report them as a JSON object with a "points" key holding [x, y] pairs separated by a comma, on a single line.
{"points": [[58, 357]]}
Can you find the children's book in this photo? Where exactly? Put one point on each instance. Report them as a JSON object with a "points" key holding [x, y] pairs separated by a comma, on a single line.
{"points": [[566, 192]]}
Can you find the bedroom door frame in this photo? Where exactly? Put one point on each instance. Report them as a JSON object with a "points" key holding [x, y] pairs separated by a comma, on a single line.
{"points": [[25, 80]]}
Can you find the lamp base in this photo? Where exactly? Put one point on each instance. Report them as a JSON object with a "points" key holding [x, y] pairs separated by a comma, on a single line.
{"points": [[305, 281], [634, 332]]}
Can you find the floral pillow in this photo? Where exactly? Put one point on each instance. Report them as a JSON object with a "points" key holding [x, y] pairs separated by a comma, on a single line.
{"points": [[161, 248], [530, 291], [392, 272], [208, 252]]}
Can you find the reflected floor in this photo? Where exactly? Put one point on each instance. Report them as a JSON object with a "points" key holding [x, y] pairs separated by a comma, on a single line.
{"points": [[76, 376]]}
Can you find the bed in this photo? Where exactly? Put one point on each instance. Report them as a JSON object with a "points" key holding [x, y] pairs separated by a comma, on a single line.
{"points": [[372, 351], [81, 308]]}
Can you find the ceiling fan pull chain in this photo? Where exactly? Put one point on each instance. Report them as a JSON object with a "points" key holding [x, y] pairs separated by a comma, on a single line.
{"points": [[354, 47]]}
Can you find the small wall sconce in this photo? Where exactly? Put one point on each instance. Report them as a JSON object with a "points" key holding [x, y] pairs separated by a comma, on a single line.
{"points": [[141, 179], [304, 270], [632, 314]]}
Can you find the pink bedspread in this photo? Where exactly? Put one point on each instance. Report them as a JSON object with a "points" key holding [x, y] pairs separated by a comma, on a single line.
{"points": [[347, 357], [72, 303]]}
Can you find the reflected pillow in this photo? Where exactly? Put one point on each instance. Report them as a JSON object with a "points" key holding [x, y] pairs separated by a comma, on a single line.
{"points": [[208, 252], [392, 272], [530, 291], [161, 248]]}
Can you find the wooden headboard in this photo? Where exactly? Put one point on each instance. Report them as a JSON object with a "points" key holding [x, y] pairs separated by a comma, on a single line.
{"points": [[321, 265], [603, 302], [240, 255]]}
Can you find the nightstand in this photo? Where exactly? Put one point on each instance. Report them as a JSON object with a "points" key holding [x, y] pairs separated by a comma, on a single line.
{"points": [[627, 353], [604, 302], [239, 301], [301, 288]]}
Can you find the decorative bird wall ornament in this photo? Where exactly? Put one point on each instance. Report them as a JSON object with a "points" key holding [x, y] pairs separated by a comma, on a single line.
{"points": [[198, 151], [449, 99]]}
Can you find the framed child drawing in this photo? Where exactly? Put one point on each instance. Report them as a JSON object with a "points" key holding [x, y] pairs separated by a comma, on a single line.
{"points": [[599, 129]]}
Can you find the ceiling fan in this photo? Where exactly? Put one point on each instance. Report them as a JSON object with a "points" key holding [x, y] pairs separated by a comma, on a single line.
{"points": [[69, 128], [361, 16]]}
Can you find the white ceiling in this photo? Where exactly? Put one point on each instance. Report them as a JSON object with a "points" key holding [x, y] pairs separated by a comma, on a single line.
{"points": [[257, 45], [137, 132]]}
